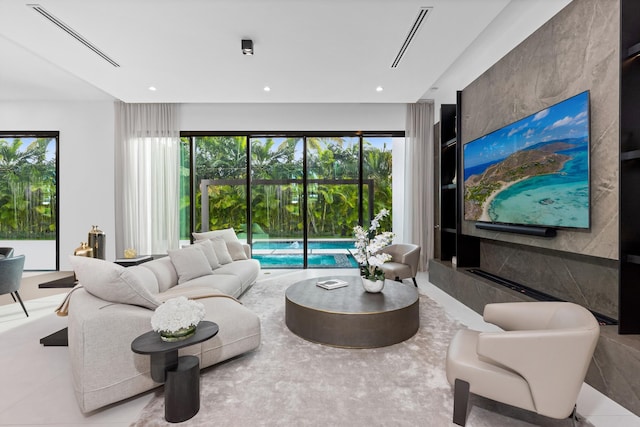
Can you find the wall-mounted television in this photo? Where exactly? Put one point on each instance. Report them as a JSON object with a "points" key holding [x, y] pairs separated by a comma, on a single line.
{"points": [[534, 172]]}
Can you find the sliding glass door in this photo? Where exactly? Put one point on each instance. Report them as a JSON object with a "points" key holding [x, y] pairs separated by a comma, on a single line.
{"points": [[277, 201], [294, 198], [332, 200], [220, 183]]}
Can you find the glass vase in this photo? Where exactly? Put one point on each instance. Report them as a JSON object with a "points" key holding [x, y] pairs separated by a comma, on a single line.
{"points": [[179, 335]]}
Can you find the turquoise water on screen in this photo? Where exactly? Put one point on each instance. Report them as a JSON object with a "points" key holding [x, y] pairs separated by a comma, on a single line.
{"points": [[560, 199]]}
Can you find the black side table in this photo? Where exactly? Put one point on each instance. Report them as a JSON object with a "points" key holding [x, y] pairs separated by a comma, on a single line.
{"points": [[181, 375]]}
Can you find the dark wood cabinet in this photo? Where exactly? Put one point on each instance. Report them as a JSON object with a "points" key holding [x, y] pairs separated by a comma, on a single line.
{"points": [[452, 243], [629, 237]]}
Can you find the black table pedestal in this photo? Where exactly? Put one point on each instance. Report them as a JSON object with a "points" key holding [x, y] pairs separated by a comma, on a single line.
{"points": [[182, 390], [181, 375]]}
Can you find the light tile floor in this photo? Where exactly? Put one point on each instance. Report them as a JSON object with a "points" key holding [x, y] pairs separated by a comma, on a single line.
{"points": [[36, 387]]}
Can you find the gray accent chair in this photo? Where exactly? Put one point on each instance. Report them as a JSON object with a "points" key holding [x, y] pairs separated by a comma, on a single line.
{"points": [[10, 277], [6, 252], [537, 363], [404, 262]]}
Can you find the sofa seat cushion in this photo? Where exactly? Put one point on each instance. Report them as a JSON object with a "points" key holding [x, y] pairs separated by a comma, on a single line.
{"points": [[191, 291], [245, 270], [239, 331], [225, 283]]}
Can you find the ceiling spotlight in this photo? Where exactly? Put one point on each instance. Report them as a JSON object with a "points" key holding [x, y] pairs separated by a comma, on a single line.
{"points": [[152, 88], [247, 47], [267, 89], [379, 89]]}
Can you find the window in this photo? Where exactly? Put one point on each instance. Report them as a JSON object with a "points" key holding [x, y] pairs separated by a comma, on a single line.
{"points": [[306, 192], [29, 197]]}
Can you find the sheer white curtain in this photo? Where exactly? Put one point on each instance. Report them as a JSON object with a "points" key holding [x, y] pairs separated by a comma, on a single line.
{"points": [[147, 178], [418, 179]]}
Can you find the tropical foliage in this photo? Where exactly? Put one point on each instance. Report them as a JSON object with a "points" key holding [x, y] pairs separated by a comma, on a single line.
{"points": [[27, 189], [277, 183]]}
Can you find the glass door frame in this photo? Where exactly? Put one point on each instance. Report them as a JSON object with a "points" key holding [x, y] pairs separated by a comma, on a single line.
{"points": [[361, 135]]}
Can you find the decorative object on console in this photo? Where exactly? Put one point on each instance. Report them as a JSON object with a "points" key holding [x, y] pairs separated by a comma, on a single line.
{"points": [[368, 244], [177, 318], [130, 253], [97, 241], [83, 250]]}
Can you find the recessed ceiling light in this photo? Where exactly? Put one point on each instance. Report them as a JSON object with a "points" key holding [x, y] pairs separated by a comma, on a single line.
{"points": [[267, 89], [379, 89], [152, 88]]}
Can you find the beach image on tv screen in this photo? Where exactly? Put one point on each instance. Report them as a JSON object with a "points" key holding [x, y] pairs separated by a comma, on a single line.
{"points": [[534, 171]]}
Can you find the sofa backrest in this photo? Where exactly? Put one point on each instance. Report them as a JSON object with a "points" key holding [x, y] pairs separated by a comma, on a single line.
{"points": [[164, 271]]}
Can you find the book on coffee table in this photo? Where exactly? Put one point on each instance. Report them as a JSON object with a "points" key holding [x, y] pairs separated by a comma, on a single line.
{"points": [[332, 284]]}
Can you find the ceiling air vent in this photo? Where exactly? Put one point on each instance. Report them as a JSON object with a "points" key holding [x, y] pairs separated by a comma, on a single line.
{"points": [[42, 11], [422, 15]]}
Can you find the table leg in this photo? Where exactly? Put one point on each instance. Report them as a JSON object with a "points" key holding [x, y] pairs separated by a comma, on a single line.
{"points": [[182, 390], [161, 363]]}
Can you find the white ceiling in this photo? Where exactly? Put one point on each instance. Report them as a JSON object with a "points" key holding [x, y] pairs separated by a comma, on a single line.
{"points": [[306, 50]]}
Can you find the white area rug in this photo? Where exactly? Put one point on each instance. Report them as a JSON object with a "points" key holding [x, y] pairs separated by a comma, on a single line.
{"points": [[292, 382]]}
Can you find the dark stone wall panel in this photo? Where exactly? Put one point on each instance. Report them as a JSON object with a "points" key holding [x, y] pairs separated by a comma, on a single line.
{"points": [[577, 50], [588, 281]]}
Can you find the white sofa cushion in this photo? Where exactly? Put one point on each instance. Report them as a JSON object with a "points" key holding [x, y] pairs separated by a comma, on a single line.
{"points": [[236, 250], [228, 234], [209, 252], [220, 246], [190, 263], [115, 283], [165, 272]]}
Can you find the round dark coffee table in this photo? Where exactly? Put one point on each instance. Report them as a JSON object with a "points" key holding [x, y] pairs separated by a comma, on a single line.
{"points": [[351, 317], [181, 375]]}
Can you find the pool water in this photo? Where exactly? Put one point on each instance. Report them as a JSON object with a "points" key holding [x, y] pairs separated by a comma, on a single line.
{"points": [[313, 261], [295, 244], [288, 254]]}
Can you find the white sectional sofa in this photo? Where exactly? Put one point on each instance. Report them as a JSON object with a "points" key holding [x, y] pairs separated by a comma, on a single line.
{"points": [[112, 305]]}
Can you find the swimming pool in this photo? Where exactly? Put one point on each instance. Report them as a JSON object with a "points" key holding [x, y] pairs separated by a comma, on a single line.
{"points": [[313, 261], [297, 244], [289, 254]]}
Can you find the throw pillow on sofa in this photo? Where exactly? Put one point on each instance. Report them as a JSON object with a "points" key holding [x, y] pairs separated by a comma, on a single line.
{"points": [[236, 250], [220, 246], [115, 283], [209, 252], [228, 234], [190, 263]]}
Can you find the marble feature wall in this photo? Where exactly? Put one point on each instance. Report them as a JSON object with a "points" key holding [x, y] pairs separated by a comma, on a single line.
{"points": [[588, 281], [577, 50]]}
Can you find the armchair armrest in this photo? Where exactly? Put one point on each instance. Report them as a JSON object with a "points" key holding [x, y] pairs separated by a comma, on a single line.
{"points": [[554, 362]]}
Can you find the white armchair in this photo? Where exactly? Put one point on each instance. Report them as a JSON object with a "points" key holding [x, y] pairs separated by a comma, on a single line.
{"points": [[404, 262], [537, 363]]}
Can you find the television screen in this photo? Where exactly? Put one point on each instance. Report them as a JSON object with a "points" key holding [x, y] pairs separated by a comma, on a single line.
{"points": [[534, 171]]}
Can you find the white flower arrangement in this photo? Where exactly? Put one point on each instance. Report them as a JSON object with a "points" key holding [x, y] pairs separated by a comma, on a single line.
{"points": [[176, 314], [368, 244]]}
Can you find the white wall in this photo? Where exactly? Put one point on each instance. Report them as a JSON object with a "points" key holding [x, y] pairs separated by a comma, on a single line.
{"points": [[85, 185], [292, 117]]}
